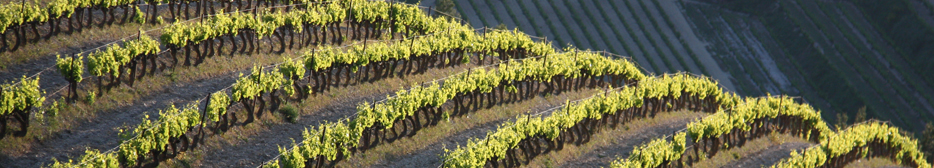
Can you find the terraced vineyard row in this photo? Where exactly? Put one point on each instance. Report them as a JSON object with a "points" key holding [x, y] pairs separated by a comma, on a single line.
{"points": [[513, 143], [508, 81], [314, 89], [116, 60], [757, 117], [249, 90], [399, 7], [20, 17]]}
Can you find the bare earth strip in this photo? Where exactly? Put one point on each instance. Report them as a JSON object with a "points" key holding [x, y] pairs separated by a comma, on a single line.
{"points": [[551, 18], [610, 144], [652, 32], [696, 46], [569, 23], [586, 25], [648, 49], [504, 17], [670, 35], [611, 39], [486, 12], [524, 22], [636, 53], [468, 13], [769, 156]]}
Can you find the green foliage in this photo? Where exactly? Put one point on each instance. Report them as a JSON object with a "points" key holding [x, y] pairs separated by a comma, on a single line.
{"points": [[654, 153], [20, 96], [857, 138], [146, 137], [70, 67], [572, 64], [478, 151], [738, 118], [91, 159], [110, 60], [257, 83], [408, 18], [91, 97], [15, 13], [154, 135], [140, 17], [456, 39], [217, 106]]}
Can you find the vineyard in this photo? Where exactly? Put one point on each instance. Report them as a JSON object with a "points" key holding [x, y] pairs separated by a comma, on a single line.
{"points": [[372, 83]]}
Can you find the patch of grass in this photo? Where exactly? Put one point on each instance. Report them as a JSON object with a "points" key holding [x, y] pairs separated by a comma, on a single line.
{"points": [[290, 113], [91, 97], [873, 162]]}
